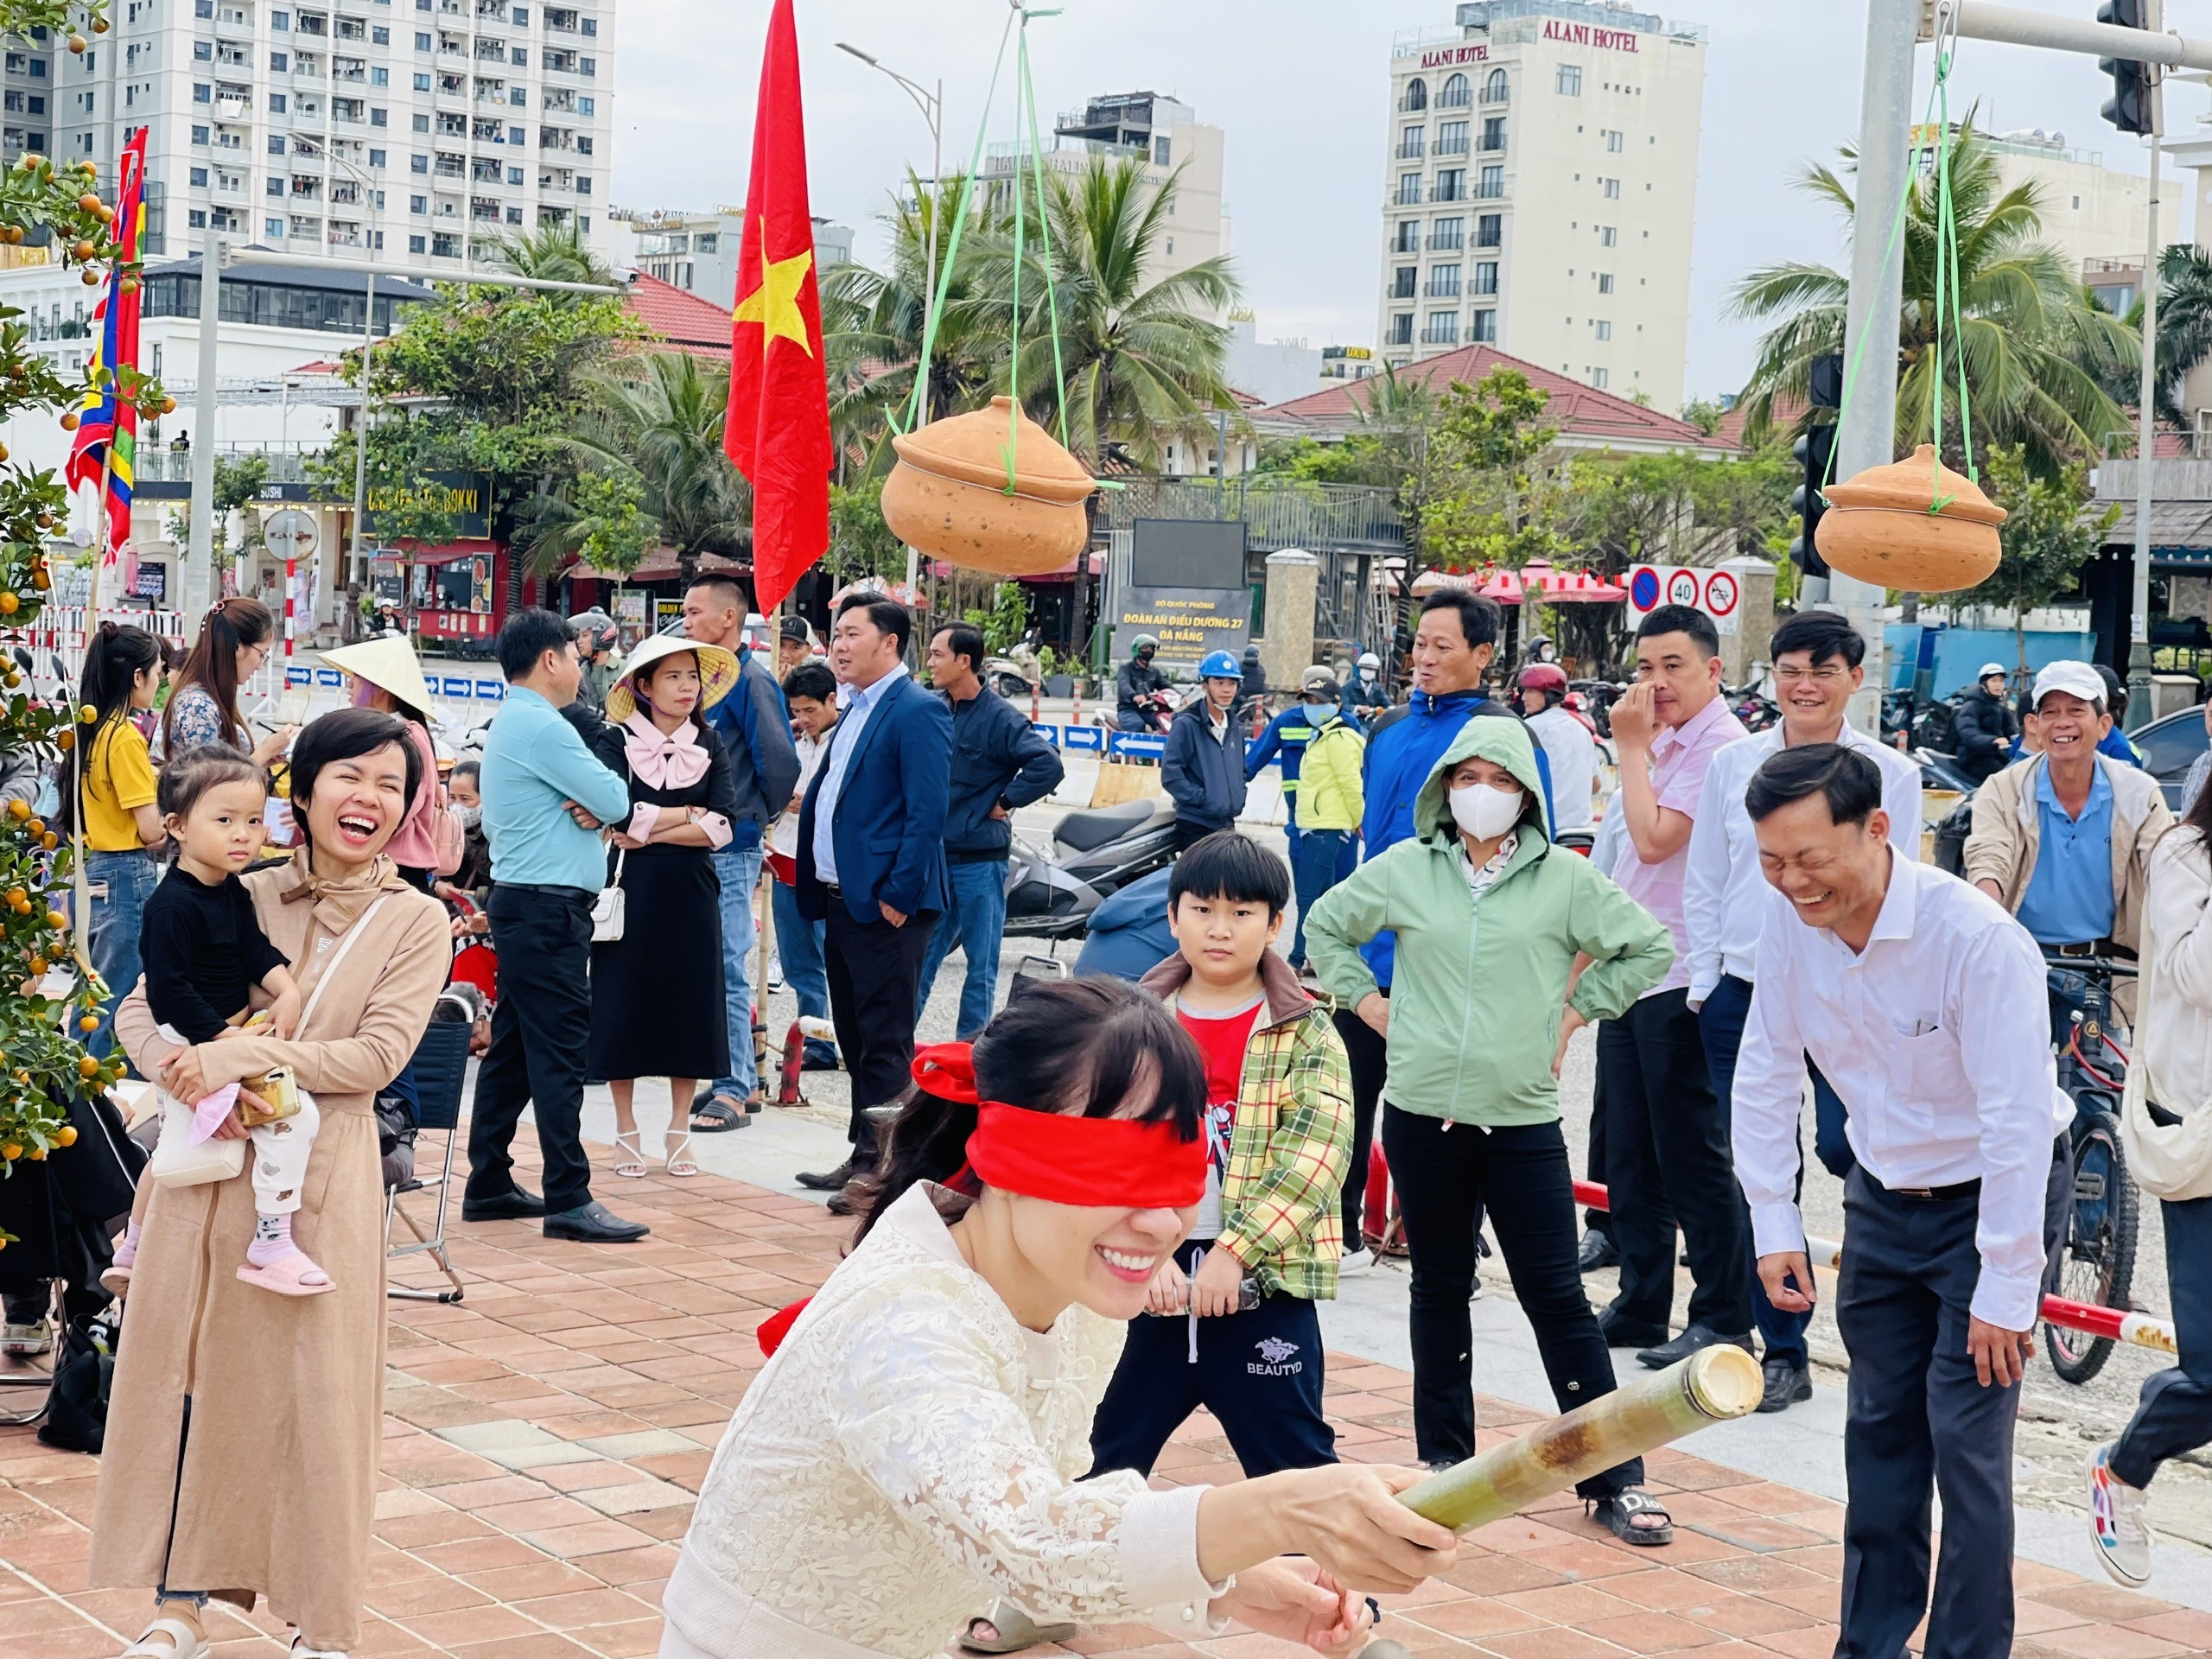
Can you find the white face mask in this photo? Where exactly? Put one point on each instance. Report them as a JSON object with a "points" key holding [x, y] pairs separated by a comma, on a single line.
{"points": [[467, 815], [1486, 813]]}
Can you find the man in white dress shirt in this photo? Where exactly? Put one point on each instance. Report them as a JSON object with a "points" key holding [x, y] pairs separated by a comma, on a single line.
{"points": [[1817, 657], [1922, 1000]]}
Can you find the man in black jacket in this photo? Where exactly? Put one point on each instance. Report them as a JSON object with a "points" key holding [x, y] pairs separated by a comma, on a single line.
{"points": [[1984, 726], [999, 763], [1137, 678], [1202, 770]]}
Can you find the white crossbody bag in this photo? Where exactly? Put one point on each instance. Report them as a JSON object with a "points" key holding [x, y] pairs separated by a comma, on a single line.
{"points": [[2172, 1161], [177, 1162], [609, 910]]}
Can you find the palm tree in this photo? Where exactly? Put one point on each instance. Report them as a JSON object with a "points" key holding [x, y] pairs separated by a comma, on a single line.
{"points": [[2184, 312], [653, 429], [2037, 349], [553, 253], [1142, 359]]}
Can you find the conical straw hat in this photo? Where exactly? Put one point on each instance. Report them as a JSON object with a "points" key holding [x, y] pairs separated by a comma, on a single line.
{"points": [[387, 662], [718, 672]]}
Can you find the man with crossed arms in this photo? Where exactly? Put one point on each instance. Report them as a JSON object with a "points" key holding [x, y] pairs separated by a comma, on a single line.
{"points": [[1920, 999]]}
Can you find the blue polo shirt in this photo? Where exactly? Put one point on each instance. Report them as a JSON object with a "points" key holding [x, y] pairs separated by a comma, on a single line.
{"points": [[534, 763], [2069, 900]]}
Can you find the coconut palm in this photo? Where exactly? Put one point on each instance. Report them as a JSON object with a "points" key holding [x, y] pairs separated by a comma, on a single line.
{"points": [[2037, 349], [651, 439], [553, 253], [1142, 359]]}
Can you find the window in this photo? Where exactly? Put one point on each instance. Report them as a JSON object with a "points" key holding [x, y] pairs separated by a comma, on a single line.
{"points": [[1490, 231], [1482, 328], [379, 76], [1401, 329], [203, 8], [280, 62], [583, 189], [203, 51], [275, 102], [1416, 97], [586, 66], [280, 20], [587, 105], [421, 41], [197, 218], [376, 158], [1407, 276], [1612, 187], [515, 136], [1570, 80], [379, 117], [272, 227], [1494, 133], [1486, 276], [514, 215], [514, 175], [445, 245], [1408, 189], [1409, 143], [584, 148], [418, 163], [590, 27], [199, 177], [521, 56], [1604, 329], [418, 204], [522, 17], [1608, 236], [415, 244], [202, 92], [1495, 89], [1455, 94], [1451, 138], [421, 123], [1449, 234], [274, 187], [1451, 184], [1598, 378], [517, 96], [200, 135], [421, 83], [1613, 141], [380, 35], [1443, 330], [1492, 184], [1444, 282], [1409, 236]]}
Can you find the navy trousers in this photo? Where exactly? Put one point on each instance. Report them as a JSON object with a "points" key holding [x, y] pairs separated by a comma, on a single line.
{"points": [[1909, 1268], [1258, 1372], [2175, 1414]]}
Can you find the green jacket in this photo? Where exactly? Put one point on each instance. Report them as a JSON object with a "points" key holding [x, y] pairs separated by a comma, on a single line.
{"points": [[1330, 794], [1476, 1000]]}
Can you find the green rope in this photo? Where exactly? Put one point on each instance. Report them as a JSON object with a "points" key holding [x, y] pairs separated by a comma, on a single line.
{"points": [[1947, 288], [942, 277], [1045, 232]]}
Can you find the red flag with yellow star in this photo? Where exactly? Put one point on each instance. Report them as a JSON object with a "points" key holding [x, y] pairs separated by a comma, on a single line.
{"points": [[778, 433]]}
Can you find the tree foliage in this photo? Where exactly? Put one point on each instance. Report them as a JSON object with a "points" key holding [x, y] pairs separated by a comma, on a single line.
{"points": [[1498, 496], [2049, 535]]}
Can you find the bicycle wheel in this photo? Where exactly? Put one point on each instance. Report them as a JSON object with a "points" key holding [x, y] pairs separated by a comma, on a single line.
{"points": [[2096, 1261]]}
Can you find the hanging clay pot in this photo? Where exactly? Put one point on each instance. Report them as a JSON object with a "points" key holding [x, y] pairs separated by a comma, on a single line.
{"points": [[947, 497], [1879, 527]]}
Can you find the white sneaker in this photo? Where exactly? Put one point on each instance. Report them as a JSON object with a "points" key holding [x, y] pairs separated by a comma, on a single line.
{"points": [[775, 972], [23, 1340], [2116, 1524], [1476, 1295], [1355, 1262]]}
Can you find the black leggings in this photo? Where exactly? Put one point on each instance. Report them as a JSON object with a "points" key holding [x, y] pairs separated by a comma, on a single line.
{"points": [[1446, 1174]]}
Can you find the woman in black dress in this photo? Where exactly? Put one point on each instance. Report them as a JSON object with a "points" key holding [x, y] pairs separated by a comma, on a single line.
{"points": [[658, 1008]]}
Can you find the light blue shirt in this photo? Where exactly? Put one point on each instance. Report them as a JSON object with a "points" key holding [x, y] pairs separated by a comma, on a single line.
{"points": [[845, 738], [534, 764], [2069, 900]]}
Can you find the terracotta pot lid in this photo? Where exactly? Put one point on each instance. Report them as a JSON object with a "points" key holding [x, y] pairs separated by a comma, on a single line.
{"points": [[1910, 484], [971, 450]]}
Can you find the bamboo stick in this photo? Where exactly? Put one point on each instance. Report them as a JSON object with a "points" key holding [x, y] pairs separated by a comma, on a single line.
{"points": [[1711, 1386]]}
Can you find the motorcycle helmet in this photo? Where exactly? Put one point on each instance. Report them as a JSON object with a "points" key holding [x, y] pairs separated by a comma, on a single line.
{"points": [[1142, 643], [1220, 665], [1367, 660], [1543, 676]]}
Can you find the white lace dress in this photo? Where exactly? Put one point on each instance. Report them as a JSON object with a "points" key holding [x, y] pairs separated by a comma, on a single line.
{"points": [[910, 1452]]}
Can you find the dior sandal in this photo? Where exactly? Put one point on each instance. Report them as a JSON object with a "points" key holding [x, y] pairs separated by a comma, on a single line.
{"points": [[178, 1641], [679, 1159], [290, 1275], [631, 1165], [1619, 1513], [1016, 1630]]}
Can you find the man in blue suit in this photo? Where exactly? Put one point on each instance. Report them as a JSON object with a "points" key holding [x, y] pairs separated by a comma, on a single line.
{"points": [[871, 861]]}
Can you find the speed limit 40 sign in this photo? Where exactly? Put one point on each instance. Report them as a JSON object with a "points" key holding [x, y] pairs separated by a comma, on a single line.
{"points": [[1717, 593]]}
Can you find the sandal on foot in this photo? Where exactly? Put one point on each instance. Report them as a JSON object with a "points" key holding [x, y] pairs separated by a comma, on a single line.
{"points": [[630, 1163], [290, 1275], [116, 1281], [181, 1642], [718, 1115], [302, 1648], [679, 1159], [1619, 1513], [1016, 1630]]}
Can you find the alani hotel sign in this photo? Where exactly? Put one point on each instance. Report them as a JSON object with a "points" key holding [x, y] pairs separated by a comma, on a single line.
{"points": [[1567, 34]]}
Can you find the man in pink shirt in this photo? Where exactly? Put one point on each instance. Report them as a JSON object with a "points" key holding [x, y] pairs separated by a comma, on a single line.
{"points": [[1667, 1140]]}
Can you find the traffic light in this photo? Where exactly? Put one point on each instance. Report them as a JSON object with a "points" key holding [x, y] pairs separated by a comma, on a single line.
{"points": [[1814, 447], [2133, 106]]}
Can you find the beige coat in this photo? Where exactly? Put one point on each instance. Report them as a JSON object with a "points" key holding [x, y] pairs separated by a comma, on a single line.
{"points": [[276, 1490], [2008, 830]]}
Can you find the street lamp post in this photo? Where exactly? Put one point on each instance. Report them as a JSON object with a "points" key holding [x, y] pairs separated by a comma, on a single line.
{"points": [[369, 202], [932, 104]]}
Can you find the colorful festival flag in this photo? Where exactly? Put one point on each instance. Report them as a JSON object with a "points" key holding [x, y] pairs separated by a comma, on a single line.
{"points": [[778, 431], [107, 427]]}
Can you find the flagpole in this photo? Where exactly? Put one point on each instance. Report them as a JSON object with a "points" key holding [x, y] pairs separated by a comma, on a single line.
{"points": [[767, 928]]}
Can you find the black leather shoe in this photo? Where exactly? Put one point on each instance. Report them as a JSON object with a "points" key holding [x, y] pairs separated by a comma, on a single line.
{"points": [[1787, 1385], [518, 1205], [1597, 1251], [828, 1180], [840, 1204], [1663, 1354], [1627, 1333], [594, 1223]]}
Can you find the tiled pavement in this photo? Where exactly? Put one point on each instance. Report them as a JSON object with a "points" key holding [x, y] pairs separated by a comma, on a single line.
{"points": [[542, 1440]]}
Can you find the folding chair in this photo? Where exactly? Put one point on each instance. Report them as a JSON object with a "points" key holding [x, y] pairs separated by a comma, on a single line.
{"points": [[441, 1062]]}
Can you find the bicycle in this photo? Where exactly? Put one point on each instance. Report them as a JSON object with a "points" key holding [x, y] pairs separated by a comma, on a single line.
{"points": [[2094, 1260]]}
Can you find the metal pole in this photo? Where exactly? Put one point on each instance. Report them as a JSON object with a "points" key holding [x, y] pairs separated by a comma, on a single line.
{"points": [[936, 113], [1867, 434], [361, 430], [196, 585], [2139, 619]]}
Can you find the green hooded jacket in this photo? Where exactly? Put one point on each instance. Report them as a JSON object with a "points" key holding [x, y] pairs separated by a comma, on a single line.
{"points": [[1481, 984]]}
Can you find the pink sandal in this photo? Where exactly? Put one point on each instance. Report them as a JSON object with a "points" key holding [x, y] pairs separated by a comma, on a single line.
{"points": [[290, 1275]]}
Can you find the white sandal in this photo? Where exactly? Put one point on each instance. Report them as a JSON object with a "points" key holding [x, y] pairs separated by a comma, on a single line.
{"points": [[679, 1161], [302, 1650], [183, 1641], [633, 1166]]}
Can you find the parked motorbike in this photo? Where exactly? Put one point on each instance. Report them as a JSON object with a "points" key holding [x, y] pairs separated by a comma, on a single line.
{"points": [[1050, 894], [1004, 676], [1598, 697], [1758, 713]]}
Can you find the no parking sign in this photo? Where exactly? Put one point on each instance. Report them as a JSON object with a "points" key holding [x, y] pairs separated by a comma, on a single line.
{"points": [[1717, 593]]}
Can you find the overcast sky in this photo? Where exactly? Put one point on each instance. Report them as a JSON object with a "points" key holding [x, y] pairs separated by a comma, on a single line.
{"points": [[1300, 88]]}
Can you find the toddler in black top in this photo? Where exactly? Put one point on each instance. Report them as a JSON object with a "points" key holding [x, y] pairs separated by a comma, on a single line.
{"points": [[208, 966]]}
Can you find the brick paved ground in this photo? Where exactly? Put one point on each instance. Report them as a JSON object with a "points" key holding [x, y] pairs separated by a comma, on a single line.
{"points": [[543, 1441]]}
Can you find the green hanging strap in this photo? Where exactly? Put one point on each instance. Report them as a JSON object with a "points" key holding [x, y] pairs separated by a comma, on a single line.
{"points": [[1045, 233], [1947, 294]]}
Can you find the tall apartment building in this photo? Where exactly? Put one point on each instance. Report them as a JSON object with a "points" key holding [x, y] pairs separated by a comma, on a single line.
{"points": [[1171, 141], [1540, 190], [410, 128], [698, 252]]}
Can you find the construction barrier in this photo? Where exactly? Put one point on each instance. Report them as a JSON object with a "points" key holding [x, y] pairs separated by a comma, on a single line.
{"points": [[2115, 1324]]}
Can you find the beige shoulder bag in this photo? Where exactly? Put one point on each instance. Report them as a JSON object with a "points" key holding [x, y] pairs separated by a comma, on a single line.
{"points": [[2169, 1161]]}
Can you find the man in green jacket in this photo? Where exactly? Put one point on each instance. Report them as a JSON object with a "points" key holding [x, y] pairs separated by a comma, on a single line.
{"points": [[1490, 918]]}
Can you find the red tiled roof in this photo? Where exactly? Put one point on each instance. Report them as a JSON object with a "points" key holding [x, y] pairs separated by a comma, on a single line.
{"points": [[1788, 411], [680, 317], [1583, 412]]}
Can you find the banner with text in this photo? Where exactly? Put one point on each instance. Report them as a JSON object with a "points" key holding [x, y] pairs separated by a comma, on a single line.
{"points": [[1187, 621]]}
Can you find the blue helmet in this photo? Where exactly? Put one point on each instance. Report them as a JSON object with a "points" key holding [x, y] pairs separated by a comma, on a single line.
{"points": [[1220, 665]]}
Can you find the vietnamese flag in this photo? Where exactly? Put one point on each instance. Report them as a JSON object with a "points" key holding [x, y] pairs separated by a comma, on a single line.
{"points": [[777, 431]]}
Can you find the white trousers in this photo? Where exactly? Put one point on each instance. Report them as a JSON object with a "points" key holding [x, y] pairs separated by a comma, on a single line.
{"points": [[280, 1158]]}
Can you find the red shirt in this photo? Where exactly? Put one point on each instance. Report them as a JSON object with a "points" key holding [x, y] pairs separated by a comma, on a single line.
{"points": [[1220, 1039]]}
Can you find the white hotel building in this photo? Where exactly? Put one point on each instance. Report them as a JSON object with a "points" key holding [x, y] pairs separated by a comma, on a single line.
{"points": [[1541, 188], [337, 127]]}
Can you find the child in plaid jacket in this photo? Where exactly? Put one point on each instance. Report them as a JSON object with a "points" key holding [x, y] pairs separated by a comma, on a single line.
{"points": [[1232, 1325]]}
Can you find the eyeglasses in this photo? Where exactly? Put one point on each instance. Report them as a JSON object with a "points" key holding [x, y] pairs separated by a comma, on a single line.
{"points": [[1827, 676]]}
